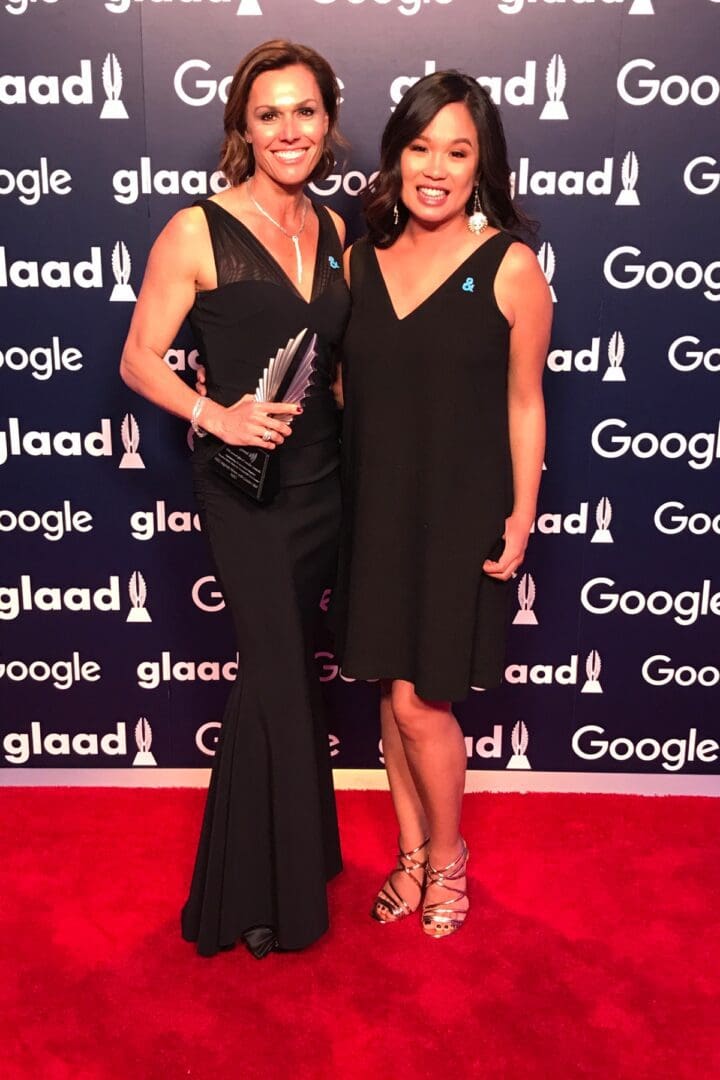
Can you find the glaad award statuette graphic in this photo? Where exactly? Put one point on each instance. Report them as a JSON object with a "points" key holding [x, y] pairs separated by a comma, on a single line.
{"points": [[525, 616], [123, 291], [519, 743], [546, 258], [593, 667], [112, 81], [616, 354], [629, 175], [130, 435], [286, 378], [143, 741], [555, 80], [137, 590]]}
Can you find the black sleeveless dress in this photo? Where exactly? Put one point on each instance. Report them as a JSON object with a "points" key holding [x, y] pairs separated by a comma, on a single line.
{"points": [[427, 480], [269, 839]]}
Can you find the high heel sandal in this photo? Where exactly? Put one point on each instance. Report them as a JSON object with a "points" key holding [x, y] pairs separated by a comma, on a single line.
{"points": [[389, 905], [443, 918]]}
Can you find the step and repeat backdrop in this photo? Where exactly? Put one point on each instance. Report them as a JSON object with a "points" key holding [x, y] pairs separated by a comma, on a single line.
{"points": [[116, 651]]}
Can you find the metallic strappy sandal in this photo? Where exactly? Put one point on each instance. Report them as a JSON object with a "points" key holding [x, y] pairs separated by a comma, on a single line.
{"points": [[444, 917], [389, 905]]}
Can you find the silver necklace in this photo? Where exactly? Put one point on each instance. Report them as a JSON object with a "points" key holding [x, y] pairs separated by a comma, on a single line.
{"points": [[295, 237]]}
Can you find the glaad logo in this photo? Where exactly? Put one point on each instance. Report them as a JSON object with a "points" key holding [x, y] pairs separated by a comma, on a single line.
{"points": [[137, 591], [55, 524], [706, 183], [593, 667], [555, 81], [514, 7], [54, 273], [130, 184], [62, 274], [143, 742], [672, 90], [655, 671], [20, 746], [245, 7], [703, 448], [72, 90], [525, 616], [516, 90], [43, 361], [519, 743], [588, 359], [691, 359], [32, 184], [576, 524], [688, 606], [182, 359], [121, 268], [578, 182], [544, 674], [145, 524], [15, 442], [660, 274], [63, 673], [699, 524], [675, 753], [26, 597], [130, 435], [151, 673]]}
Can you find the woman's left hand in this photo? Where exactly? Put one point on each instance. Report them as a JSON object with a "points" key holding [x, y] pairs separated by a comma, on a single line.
{"points": [[516, 537]]}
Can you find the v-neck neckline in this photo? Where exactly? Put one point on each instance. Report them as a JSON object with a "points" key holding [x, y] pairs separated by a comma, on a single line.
{"points": [[436, 290], [271, 258]]}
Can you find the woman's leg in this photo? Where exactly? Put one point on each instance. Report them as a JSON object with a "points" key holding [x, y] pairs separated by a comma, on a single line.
{"points": [[412, 821], [434, 750]]}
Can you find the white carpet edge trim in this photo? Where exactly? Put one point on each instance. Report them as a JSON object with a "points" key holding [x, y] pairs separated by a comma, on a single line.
{"points": [[376, 780]]}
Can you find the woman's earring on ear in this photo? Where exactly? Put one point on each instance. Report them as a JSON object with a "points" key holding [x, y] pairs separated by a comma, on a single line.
{"points": [[396, 215], [477, 220]]}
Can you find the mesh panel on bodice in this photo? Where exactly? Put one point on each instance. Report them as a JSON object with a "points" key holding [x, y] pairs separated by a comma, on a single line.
{"points": [[239, 256]]}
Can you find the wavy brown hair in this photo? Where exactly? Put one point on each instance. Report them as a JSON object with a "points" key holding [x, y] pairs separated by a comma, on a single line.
{"points": [[237, 160], [417, 108]]}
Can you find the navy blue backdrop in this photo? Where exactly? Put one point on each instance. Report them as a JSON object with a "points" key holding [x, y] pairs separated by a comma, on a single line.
{"points": [[115, 650]]}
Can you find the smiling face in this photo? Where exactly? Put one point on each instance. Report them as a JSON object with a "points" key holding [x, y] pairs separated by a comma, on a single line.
{"points": [[439, 167], [286, 124]]}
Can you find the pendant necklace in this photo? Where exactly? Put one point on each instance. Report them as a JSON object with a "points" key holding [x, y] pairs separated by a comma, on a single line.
{"points": [[295, 237]]}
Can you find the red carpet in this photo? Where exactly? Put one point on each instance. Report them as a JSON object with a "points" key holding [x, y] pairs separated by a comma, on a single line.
{"points": [[592, 949]]}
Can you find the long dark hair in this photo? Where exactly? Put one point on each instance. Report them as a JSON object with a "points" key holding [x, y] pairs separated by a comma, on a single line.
{"points": [[416, 110]]}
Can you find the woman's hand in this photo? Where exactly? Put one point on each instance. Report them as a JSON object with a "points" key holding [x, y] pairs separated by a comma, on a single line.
{"points": [[249, 422], [515, 536]]}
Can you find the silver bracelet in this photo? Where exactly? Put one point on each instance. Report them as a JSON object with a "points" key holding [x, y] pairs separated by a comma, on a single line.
{"points": [[195, 416]]}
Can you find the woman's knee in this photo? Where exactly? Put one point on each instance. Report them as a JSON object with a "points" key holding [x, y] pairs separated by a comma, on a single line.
{"points": [[416, 718]]}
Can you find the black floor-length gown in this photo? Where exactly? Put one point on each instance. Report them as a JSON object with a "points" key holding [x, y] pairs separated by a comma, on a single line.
{"points": [[427, 480], [269, 839]]}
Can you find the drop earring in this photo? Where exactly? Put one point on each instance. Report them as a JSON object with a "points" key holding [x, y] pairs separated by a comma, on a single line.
{"points": [[477, 220], [396, 215]]}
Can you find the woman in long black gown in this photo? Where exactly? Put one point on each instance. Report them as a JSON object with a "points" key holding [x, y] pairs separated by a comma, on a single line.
{"points": [[252, 267]]}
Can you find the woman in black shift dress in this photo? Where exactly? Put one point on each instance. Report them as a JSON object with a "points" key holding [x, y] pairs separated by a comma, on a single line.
{"points": [[443, 440], [253, 267]]}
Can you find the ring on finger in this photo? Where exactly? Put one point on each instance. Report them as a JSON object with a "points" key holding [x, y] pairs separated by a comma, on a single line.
{"points": [[267, 435]]}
